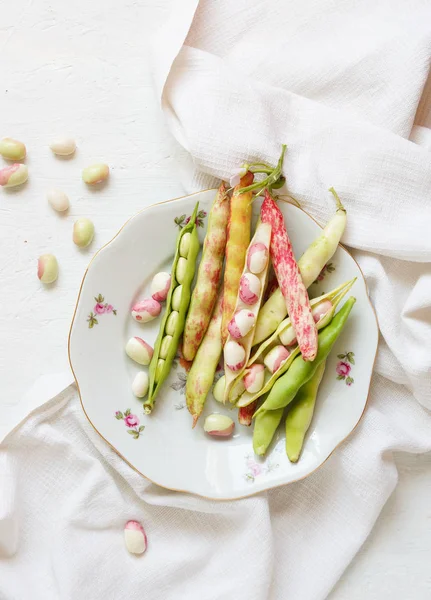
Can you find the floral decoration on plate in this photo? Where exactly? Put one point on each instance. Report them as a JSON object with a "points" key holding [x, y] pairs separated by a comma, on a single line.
{"points": [[100, 308], [131, 421], [344, 366], [328, 268], [256, 469], [182, 220]]}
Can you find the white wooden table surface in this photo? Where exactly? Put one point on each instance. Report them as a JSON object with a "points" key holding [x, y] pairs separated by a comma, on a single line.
{"points": [[80, 68]]}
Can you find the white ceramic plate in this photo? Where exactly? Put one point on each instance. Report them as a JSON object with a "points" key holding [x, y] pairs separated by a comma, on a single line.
{"points": [[162, 446]]}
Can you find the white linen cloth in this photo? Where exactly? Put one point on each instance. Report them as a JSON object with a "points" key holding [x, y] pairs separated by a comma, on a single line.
{"points": [[340, 83]]}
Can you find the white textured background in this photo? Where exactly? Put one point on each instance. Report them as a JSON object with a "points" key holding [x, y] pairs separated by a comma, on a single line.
{"points": [[80, 68]]}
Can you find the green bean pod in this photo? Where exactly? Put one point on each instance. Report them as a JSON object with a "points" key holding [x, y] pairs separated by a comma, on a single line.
{"points": [[160, 368], [286, 387], [265, 426], [299, 417]]}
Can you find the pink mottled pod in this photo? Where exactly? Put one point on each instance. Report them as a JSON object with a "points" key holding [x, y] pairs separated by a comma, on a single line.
{"points": [[47, 268], [135, 538], [234, 355], [241, 324], [321, 309], [254, 378], [14, 175], [139, 351], [146, 310], [249, 288], [257, 258], [160, 286]]}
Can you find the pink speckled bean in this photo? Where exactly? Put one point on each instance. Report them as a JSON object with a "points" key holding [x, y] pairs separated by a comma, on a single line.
{"points": [[249, 289], [321, 309], [14, 175], [146, 310], [135, 537]]}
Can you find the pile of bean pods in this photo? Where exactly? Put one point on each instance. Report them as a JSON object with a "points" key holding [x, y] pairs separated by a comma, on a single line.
{"points": [[274, 351]]}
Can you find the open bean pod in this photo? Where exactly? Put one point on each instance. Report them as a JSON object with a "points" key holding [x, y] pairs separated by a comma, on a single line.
{"points": [[249, 299], [177, 304], [285, 334], [334, 299]]}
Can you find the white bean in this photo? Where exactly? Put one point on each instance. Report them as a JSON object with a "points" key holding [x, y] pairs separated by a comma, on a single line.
{"points": [[58, 200], [63, 146], [140, 384]]}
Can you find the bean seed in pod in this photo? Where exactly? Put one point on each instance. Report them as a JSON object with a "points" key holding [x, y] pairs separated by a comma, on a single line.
{"points": [[254, 378], [160, 286], [257, 258], [275, 358], [288, 337], [47, 268], [237, 390], [58, 200], [83, 232], [146, 310], [219, 425], [140, 384], [139, 351], [181, 269], [159, 369], [185, 245], [176, 298], [171, 323], [63, 146], [241, 324], [16, 174], [12, 149], [95, 173], [234, 355], [320, 310], [249, 288], [164, 348], [218, 390]]}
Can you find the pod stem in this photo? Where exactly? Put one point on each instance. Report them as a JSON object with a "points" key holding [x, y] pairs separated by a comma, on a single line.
{"points": [[337, 200], [273, 176]]}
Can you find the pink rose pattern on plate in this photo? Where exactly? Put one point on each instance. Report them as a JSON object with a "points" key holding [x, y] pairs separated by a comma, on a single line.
{"points": [[131, 421], [256, 469], [344, 367], [328, 268], [182, 220], [100, 308]]}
